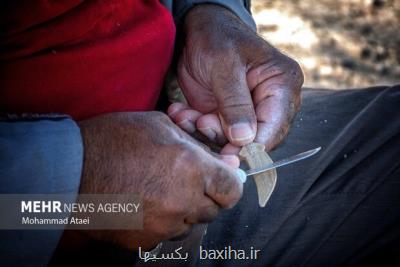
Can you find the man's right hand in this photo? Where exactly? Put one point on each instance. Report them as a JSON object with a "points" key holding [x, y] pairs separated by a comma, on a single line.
{"points": [[146, 154]]}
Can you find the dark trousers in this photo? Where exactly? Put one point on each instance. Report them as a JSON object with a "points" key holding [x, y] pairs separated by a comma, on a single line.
{"points": [[338, 208]]}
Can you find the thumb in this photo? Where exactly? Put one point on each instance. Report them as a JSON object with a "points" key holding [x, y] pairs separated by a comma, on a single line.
{"points": [[235, 106]]}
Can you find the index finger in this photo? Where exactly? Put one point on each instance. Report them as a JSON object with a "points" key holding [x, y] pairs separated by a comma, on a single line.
{"points": [[222, 183]]}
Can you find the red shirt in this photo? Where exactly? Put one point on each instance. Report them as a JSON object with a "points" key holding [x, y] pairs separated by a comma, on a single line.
{"points": [[83, 58]]}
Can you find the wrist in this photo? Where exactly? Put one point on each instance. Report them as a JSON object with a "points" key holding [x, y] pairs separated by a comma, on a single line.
{"points": [[201, 16]]}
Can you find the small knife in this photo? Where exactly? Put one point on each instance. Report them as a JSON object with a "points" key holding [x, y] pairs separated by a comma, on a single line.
{"points": [[283, 162]]}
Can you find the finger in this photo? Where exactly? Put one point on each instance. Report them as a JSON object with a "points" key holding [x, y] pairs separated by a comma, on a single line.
{"points": [[230, 149], [274, 115], [215, 181], [186, 119], [235, 105], [262, 73], [276, 89], [174, 108], [210, 126], [231, 160], [222, 184]]}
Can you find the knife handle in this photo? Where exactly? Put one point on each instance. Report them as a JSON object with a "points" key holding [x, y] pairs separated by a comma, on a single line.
{"points": [[255, 156]]}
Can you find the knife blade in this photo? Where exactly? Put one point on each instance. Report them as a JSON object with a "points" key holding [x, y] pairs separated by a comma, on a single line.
{"points": [[283, 162]]}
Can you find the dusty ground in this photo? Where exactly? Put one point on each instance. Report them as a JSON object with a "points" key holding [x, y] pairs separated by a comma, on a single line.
{"points": [[339, 43]]}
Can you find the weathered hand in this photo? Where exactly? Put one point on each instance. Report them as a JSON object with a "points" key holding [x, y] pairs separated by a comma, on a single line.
{"points": [[147, 154], [237, 85]]}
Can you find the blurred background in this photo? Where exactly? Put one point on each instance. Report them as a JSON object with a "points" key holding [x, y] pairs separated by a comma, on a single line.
{"points": [[338, 43]]}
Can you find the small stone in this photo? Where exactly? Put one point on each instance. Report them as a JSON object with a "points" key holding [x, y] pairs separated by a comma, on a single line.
{"points": [[348, 63], [366, 29], [365, 53], [384, 71], [378, 3]]}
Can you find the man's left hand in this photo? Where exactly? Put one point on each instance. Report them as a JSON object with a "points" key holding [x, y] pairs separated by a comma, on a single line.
{"points": [[239, 88]]}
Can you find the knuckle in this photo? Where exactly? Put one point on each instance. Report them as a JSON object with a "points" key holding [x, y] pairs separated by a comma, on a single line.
{"points": [[226, 189], [183, 156], [238, 111]]}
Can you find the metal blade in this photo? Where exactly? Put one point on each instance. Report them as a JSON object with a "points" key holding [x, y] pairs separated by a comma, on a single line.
{"points": [[284, 162]]}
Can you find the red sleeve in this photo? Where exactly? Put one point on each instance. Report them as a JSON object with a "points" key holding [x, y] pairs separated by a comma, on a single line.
{"points": [[83, 58]]}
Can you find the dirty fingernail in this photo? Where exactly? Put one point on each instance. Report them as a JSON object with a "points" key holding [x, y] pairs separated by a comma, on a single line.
{"points": [[187, 125], [241, 132], [210, 133], [242, 175]]}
